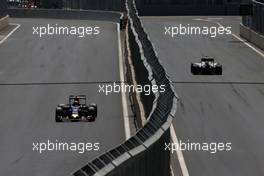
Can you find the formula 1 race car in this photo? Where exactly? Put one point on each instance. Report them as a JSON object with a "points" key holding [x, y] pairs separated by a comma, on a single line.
{"points": [[76, 110], [207, 66]]}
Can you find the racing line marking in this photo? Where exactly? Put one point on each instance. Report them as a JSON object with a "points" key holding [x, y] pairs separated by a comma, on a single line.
{"points": [[122, 79], [180, 157], [10, 33]]}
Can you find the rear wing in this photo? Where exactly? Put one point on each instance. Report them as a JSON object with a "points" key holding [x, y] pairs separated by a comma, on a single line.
{"points": [[208, 59], [83, 97], [80, 97]]}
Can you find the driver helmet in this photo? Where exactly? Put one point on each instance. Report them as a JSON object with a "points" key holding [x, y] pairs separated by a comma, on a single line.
{"points": [[76, 102]]}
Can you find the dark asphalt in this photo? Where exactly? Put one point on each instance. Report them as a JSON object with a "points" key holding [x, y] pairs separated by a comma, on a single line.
{"points": [[211, 112], [27, 112]]}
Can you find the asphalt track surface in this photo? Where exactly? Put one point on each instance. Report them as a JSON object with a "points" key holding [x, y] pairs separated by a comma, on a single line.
{"points": [[27, 110], [227, 108]]}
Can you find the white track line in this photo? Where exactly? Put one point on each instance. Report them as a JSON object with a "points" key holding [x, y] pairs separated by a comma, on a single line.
{"points": [[240, 39], [237, 37], [215, 18], [122, 79], [10, 33], [249, 45], [172, 173], [180, 157]]}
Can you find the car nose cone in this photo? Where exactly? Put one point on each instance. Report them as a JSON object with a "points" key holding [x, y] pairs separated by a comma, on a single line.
{"points": [[75, 115]]}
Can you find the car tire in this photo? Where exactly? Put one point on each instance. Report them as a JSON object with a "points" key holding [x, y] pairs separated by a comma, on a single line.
{"points": [[95, 108], [92, 113], [84, 112], [219, 70], [57, 114], [194, 69], [92, 119]]}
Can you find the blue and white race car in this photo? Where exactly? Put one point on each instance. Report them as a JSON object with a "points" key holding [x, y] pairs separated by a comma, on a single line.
{"points": [[76, 110]]}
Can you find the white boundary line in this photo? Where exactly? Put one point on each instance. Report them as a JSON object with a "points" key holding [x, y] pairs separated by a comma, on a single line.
{"points": [[215, 18], [237, 37], [172, 173], [180, 157], [240, 39], [122, 79], [10, 33], [249, 45]]}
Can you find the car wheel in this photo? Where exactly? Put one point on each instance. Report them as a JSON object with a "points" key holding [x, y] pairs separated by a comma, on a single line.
{"points": [[92, 112], [219, 70], [94, 109], [92, 119], [194, 69], [57, 116], [84, 113]]}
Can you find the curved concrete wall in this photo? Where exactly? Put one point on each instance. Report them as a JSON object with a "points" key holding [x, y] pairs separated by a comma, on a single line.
{"points": [[252, 36], [4, 21], [143, 154]]}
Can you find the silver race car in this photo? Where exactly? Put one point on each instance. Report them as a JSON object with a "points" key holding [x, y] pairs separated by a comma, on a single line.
{"points": [[207, 66]]}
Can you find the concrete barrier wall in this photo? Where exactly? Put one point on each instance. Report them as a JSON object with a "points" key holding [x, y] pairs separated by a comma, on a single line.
{"points": [[141, 72], [150, 162], [144, 153], [4, 22], [252, 36], [65, 14]]}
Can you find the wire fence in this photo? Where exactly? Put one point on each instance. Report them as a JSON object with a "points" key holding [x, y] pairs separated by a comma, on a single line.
{"points": [[256, 20]]}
